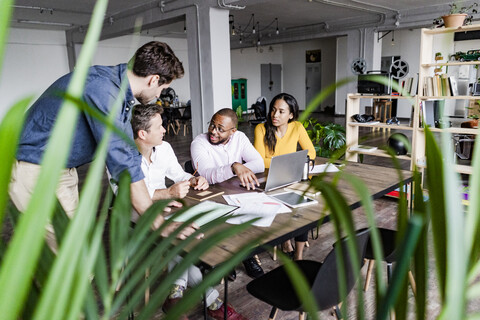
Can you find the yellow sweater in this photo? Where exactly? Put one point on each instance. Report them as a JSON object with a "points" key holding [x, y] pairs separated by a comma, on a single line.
{"points": [[296, 134]]}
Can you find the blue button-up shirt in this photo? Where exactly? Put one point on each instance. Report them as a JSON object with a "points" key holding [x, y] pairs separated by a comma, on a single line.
{"points": [[101, 89]]}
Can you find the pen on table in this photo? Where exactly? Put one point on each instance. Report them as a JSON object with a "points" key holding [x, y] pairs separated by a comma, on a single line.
{"points": [[196, 168]]}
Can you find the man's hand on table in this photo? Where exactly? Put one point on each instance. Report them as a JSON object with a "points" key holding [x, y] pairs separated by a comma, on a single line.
{"points": [[179, 189], [246, 176], [199, 183]]}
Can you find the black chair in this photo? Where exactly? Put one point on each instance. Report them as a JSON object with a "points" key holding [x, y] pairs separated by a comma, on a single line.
{"points": [[186, 118], [189, 167], [260, 111], [171, 119], [276, 289], [387, 238], [167, 96]]}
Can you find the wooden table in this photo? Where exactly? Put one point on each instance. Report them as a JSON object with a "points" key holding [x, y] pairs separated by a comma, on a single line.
{"points": [[379, 181]]}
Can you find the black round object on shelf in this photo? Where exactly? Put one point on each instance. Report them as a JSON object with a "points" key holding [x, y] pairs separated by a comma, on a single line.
{"points": [[397, 143]]}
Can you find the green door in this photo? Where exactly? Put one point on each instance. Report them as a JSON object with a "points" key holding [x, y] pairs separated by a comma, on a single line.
{"points": [[239, 94]]}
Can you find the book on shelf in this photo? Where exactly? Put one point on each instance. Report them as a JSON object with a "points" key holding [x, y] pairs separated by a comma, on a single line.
{"points": [[421, 113], [417, 84], [408, 87], [428, 86], [435, 85], [453, 86], [445, 85], [202, 195], [363, 148]]}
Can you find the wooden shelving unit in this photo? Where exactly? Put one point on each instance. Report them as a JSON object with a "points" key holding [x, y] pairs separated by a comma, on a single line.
{"points": [[352, 128], [427, 66]]}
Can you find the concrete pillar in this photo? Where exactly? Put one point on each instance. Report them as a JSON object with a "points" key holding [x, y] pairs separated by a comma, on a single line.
{"points": [[209, 63]]}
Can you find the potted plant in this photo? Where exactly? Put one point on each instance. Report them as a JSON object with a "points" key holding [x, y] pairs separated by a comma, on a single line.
{"points": [[474, 114], [457, 16], [327, 139]]}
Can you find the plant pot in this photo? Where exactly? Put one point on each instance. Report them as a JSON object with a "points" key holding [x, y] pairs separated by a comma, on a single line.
{"points": [[474, 123], [454, 20]]}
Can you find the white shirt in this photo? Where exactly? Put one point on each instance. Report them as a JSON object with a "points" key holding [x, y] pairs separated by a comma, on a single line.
{"points": [[214, 161], [164, 164]]}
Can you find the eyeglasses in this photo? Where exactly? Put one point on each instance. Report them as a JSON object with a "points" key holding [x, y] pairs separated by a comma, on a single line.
{"points": [[212, 126]]}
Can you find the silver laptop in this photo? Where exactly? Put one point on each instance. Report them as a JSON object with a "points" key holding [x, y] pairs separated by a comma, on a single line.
{"points": [[284, 170]]}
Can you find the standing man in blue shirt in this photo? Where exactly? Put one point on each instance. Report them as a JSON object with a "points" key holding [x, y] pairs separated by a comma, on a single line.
{"points": [[153, 67]]}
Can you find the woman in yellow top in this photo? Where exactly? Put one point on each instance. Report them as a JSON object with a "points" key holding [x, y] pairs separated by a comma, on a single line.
{"points": [[280, 135]]}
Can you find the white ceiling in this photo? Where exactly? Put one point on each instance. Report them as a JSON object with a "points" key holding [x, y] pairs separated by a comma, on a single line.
{"points": [[296, 18]]}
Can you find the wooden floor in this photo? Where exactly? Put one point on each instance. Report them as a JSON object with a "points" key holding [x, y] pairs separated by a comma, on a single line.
{"points": [[385, 209]]}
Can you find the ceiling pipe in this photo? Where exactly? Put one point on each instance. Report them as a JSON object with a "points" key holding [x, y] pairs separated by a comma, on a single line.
{"points": [[348, 6], [223, 5], [375, 5], [49, 10]]}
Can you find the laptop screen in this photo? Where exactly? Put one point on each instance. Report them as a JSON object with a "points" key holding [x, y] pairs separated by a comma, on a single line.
{"points": [[286, 169]]}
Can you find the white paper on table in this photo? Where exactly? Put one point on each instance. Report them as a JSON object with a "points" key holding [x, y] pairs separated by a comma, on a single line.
{"points": [[253, 205], [211, 210], [327, 167]]}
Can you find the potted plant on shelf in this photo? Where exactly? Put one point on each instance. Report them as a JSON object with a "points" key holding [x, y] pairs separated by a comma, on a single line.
{"points": [[457, 16], [474, 115]]}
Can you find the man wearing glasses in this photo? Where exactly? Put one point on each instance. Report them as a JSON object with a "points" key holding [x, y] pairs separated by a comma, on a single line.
{"points": [[224, 152]]}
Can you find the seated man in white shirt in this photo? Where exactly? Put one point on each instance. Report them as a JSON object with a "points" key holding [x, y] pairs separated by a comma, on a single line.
{"points": [[159, 161], [224, 152]]}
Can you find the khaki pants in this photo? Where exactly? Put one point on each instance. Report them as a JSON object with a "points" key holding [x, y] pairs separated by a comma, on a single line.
{"points": [[23, 181]]}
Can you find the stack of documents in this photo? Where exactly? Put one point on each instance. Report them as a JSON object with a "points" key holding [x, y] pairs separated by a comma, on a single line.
{"points": [[253, 205]]}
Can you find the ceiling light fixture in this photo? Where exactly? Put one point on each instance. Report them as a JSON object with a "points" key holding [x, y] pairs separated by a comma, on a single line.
{"points": [[393, 38], [246, 33], [397, 19]]}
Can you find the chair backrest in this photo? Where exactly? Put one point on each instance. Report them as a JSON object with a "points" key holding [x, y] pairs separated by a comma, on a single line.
{"points": [[326, 288], [189, 167], [168, 95], [187, 113]]}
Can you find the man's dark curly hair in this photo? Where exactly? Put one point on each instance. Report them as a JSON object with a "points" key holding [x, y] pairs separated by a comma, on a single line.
{"points": [[141, 116], [157, 58]]}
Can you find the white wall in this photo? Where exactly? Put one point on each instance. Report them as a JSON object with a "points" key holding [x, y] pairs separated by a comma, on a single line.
{"points": [[294, 68], [121, 49], [245, 63], [33, 60], [407, 46]]}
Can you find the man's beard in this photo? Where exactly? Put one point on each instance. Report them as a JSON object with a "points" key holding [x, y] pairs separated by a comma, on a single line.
{"points": [[220, 141]]}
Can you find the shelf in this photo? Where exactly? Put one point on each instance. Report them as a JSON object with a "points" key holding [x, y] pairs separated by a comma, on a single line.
{"points": [[449, 97], [379, 125], [451, 63], [460, 168], [362, 96], [379, 153], [472, 27], [454, 130]]}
